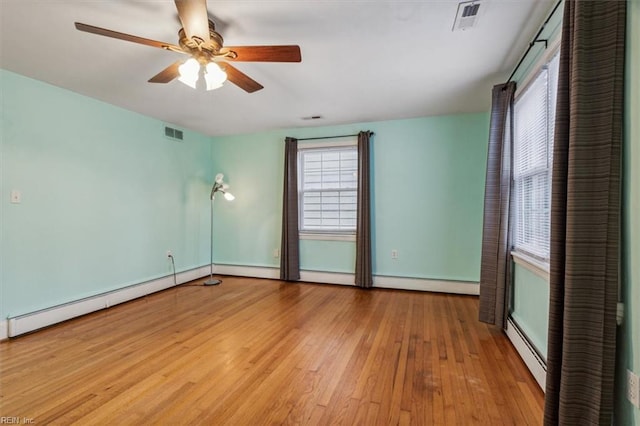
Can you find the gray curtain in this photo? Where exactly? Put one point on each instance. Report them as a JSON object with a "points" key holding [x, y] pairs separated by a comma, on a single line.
{"points": [[495, 263], [363, 275], [289, 251], [585, 211]]}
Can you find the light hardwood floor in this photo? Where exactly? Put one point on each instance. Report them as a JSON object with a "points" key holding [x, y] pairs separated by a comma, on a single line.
{"points": [[254, 351]]}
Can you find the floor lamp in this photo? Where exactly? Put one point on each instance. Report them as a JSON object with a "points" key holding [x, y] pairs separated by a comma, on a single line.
{"points": [[218, 186]]}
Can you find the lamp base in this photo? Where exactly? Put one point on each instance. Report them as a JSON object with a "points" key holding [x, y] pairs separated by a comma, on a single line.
{"points": [[212, 282]]}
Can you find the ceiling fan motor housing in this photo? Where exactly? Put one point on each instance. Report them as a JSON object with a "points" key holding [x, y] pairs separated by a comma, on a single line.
{"points": [[201, 50]]}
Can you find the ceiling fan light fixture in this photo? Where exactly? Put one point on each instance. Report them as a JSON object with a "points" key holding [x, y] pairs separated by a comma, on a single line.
{"points": [[199, 39], [189, 72], [214, 76]]}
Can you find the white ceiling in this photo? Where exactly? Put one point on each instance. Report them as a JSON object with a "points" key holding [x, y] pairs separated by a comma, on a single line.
{"points": [[362, 60]]}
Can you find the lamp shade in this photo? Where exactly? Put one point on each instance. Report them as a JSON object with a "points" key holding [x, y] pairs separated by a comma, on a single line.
{"points": [[189, 72], [220, 186], [214, 76]]}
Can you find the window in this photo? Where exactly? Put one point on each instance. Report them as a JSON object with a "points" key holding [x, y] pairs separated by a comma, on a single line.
{"points": [[534, 120], [328, 188]]}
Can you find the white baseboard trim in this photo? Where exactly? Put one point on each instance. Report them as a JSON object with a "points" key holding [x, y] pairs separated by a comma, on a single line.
{"points": [[274, 274], [46, 317], [248, 271], [536, 366], [379, 281], [4, 330], [422, 284], [35, 320], [320, 277]]}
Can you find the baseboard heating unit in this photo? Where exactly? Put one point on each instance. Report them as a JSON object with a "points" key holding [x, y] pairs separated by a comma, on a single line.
{"points": [[15, 326], [534, 362], [39, 319]]}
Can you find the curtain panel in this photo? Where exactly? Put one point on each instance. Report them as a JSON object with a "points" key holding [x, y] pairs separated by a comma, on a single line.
{"points": [[363, 272], [289, 249], [585, 212], [495, 264]]}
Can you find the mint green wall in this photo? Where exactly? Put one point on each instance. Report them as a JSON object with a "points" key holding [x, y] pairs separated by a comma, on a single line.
{"points": [[104, 196], [531, 306], [629, 333], [428, 188]]}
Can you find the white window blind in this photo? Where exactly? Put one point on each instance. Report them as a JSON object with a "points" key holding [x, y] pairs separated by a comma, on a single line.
{"points": [[534, 119], [328, 189]]}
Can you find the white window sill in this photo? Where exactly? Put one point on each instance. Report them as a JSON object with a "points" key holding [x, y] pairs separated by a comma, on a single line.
{"points": [[534, 265], [327, 237]]}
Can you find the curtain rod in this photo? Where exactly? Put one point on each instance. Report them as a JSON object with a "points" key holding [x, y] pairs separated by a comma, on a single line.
{"points": [[330, 137], [535, 40]]}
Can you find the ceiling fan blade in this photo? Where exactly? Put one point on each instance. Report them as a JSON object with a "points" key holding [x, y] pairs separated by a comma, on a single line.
{"points": [[240, 79], [127, 37], [167, 74], [289, 53], [194, 18]]}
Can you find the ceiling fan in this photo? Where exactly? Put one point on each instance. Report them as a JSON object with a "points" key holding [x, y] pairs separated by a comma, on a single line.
{"points": [[199, 39]]}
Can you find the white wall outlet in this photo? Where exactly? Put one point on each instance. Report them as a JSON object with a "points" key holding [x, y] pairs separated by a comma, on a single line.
{"points": [[276, 252], [169, 254], [16, 196], [394, 254], [633, 388]]}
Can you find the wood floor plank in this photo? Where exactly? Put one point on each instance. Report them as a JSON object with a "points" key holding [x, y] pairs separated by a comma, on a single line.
{"points": [[254, 351]]}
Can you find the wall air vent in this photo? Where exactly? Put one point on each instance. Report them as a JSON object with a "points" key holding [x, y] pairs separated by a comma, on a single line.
{"points": [[467, 16], [173, 134]]}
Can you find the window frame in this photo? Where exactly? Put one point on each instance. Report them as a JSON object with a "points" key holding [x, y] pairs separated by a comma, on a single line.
{"points": [[529, 256], [319, 234]]}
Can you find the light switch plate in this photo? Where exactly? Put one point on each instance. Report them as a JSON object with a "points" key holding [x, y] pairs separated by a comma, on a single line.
{"points": [[633, 388], [16, 196]]}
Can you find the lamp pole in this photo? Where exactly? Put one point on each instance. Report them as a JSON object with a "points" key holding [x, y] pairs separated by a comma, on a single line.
{"points": [[218, 186], [212, 281]]}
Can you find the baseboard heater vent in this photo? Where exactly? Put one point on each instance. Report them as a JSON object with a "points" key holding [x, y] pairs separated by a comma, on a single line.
{"points": [[43, 318], [534, 362]]}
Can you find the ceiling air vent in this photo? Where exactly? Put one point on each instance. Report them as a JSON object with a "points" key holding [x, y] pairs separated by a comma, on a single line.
{"points": [[467, 15], [172, 133]]}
